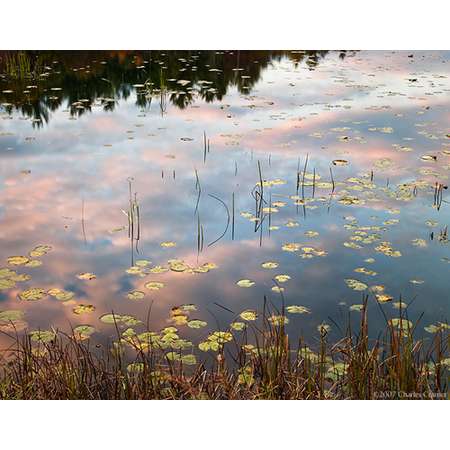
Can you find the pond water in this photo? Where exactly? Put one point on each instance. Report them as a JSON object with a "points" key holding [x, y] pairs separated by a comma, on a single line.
{"points": [[146, 167]]}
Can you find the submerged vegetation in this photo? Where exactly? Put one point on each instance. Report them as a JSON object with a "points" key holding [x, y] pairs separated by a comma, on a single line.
{"points": [[253, 359]]}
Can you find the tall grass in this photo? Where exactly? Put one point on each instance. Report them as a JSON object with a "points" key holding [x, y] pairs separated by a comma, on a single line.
{"points": [[259, 363]]}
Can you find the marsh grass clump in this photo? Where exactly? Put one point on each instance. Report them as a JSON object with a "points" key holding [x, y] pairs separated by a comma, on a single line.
{"points": [[259, 362]]}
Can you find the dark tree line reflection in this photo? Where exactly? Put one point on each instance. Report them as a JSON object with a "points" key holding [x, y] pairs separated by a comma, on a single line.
{"points": [[39, 82]]}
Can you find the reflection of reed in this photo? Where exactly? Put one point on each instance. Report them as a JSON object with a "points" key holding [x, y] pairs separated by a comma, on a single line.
{"points": [[438, 191], [18, 66], [133, 216], [82, 221], [205, 147]]}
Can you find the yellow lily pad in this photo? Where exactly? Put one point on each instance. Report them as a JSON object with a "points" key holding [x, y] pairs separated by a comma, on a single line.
{"points": [[245, 283], [154, 285], [32, 294], [248, 315], [86, 276], [83, 309], [136, 295], [17, 260]]}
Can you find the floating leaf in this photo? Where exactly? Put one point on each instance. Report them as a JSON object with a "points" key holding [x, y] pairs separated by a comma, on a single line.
{"points": [[42, 336], [282, 278], [189, 360], [220, 337], [365, 271], [419, 242], [196, 324], [142, 263], [83, 331], [291, 247], [292, 224], [32, 294], [86, 276], [33, 263], [248, 315], [238, 326], [119, 319], [269, 265], [11, 315], [188, 307], [245, 283], [296, 309], [386, 248], [17, 260], [158, 269], [168, 244], [402, 324], [399, 305], [440, 326], [154, 285], [6, 283], [277, 289], [178, 265], [111, 318], [136, 295], [61, 294], [384, 298], [173, 356], [135, 270], [278, 320], [355, 284], [40, 250], [356, 307], [83, 309]]}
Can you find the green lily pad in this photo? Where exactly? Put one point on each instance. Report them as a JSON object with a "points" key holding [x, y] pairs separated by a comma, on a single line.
{"points": [[11, 315], [42, 335]]}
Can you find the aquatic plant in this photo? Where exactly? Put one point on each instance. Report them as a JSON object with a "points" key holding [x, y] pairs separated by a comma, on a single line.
{"points": [[252, 360]]}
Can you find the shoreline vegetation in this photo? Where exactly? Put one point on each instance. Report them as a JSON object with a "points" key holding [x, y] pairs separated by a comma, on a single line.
{"points": [[259, 363]]}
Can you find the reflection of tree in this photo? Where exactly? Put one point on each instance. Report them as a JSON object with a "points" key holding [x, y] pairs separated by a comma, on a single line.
{"points": [[78, 80]]}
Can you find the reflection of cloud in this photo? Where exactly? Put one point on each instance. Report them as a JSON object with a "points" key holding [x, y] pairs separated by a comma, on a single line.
{"points": [[69, 162]]}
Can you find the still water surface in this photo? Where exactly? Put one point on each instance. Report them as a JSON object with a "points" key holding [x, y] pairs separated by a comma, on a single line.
{"points": [[352, 148]]}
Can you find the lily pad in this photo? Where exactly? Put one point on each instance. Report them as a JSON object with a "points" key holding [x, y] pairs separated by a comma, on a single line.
{"points": [[40, 250], [11, 315], [296, 309], [86, 276], [17, 260], [32, 294], [42, 336], [248, 315], [245, 283], [282, 278], [83, 309], [269, 265], [355, 284], [168, 244], [154, 285], [196, 324], [83, 331], [136, 295]]}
